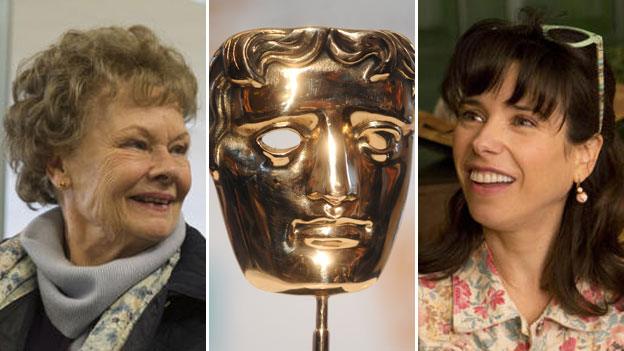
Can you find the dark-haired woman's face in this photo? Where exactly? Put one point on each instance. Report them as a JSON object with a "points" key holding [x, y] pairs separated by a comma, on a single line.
{"points": [[515, 169]]}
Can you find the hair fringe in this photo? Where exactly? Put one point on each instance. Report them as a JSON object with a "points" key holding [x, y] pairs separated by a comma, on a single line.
{"points": [[587, 247]]}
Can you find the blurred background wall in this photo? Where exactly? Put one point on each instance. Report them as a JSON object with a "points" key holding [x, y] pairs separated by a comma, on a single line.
{"points": [[441, 22], [244, 318], [33, 25], [5, 26]]}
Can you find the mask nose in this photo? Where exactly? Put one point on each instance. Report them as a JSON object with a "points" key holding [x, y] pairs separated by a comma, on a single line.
{"points": [[334, 177]]}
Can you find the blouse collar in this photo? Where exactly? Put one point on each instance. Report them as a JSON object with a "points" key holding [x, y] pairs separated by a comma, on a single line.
{"points": [[480, 300]]}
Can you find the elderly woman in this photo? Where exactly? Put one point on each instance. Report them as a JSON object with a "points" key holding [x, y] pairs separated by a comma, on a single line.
{"points": [[98, 128], [531, 258]]}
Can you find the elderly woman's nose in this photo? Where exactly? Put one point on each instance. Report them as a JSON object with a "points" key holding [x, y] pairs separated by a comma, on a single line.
{"points": [[488, 139], [165, 165]]}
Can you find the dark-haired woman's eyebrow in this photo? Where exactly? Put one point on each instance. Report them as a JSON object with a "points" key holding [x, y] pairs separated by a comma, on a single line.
{"points": [[527, 109], [521, 107], [471, 102]]}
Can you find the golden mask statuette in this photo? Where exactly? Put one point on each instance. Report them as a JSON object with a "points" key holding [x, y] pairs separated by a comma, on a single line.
{"points": [[311, 137]]}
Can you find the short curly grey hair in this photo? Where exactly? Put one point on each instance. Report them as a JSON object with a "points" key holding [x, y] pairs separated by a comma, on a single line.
{"points": [[55, 89]]}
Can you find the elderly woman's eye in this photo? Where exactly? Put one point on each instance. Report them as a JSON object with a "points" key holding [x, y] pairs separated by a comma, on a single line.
{"points": [[180, 149], [279, 141], [135, 144], [380, 143]]}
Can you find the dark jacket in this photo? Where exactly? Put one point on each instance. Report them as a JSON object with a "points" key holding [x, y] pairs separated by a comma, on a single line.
{"points": [[175, 319]]}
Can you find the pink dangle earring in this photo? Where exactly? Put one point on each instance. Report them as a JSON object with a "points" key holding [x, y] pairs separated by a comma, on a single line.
{"points": [[581, 195]]}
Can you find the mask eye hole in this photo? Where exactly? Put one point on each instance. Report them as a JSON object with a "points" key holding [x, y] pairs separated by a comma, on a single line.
{"points": [[379, 143], [379, 139], [279, 141]]}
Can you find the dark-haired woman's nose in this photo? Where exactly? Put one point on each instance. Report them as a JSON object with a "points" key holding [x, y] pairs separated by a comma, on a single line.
{"points": [[488, 139]]}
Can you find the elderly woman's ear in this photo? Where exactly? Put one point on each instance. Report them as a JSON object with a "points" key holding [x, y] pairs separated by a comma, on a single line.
{"points": [[111, 214], [586, 154], [56, 173]]}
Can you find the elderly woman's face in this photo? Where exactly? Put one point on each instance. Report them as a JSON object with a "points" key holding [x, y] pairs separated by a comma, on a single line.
{"points": [[514, 168], [130, 173]]}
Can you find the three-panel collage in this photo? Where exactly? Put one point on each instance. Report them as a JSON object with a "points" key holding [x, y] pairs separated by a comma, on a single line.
{"points": [[241, 175]]}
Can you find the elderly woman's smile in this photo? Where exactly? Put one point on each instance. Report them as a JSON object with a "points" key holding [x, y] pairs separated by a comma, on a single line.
{"points": [[130, 172], [98, 127]]}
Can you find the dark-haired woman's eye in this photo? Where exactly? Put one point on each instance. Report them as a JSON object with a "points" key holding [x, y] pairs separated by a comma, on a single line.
{"points": [[522, 121], [471, 116]]}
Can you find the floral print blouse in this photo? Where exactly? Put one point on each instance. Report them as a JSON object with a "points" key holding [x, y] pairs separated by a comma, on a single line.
{"points": [[472, 311]]}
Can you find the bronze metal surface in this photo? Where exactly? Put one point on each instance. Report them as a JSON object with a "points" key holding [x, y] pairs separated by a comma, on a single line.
{"points": [[311, 137], [318, 216], [320, 341]]}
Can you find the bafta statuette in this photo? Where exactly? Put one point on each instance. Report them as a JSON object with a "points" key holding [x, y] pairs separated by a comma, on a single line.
{"points": [[311, 136]]}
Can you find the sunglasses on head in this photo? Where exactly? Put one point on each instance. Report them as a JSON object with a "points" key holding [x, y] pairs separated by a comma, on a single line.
{"points": [[587, 38]]}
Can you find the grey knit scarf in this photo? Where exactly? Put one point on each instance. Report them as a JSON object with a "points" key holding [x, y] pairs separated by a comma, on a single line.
{"points": [[74, 296]]}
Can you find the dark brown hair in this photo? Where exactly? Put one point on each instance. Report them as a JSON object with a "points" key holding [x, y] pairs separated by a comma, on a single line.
{"points": [[551, 74], [56, 88]]}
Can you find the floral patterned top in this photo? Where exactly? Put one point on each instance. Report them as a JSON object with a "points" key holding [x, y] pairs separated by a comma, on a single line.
{"points": [[472, 311]]}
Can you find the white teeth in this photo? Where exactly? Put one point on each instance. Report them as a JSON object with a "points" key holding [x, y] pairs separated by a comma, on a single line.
{"points": [[489, 177]]}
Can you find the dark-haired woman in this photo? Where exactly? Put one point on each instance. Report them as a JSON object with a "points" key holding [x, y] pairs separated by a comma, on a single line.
{"points": [[531, 258]]}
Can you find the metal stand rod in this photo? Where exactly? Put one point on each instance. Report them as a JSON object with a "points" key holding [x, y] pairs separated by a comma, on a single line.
{"points": [[321, 334]]}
